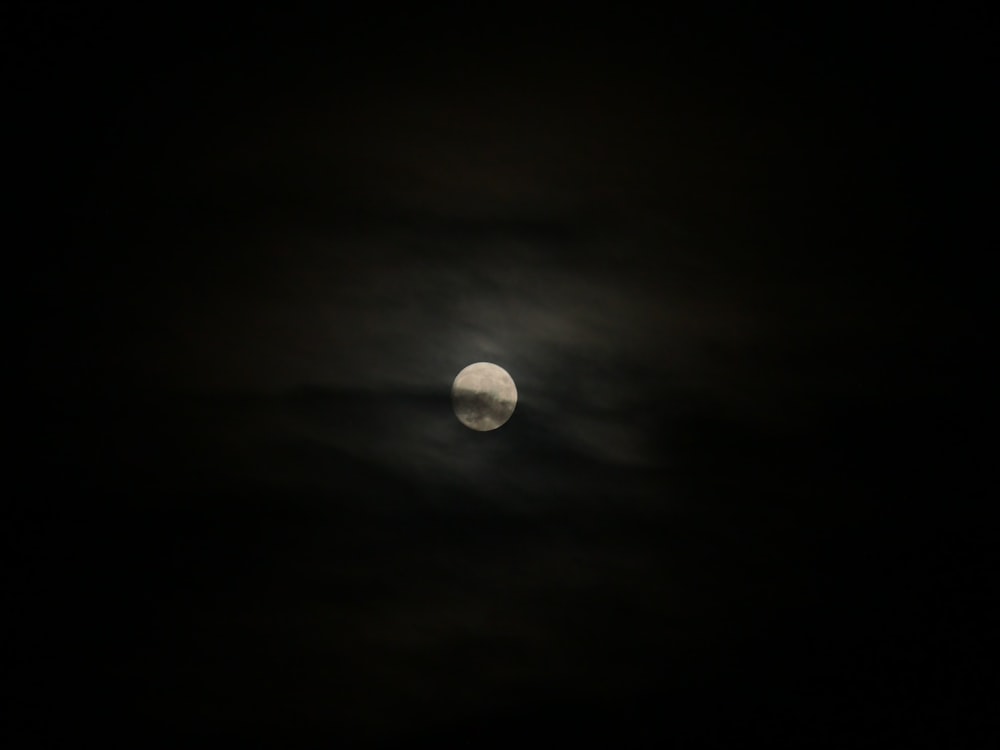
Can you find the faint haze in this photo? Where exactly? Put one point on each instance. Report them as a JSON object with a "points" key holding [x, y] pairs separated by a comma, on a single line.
{"points": [[260, 263]]}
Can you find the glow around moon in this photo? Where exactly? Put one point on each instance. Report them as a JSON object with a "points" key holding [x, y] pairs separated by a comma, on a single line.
{"points": [[483, 396]]}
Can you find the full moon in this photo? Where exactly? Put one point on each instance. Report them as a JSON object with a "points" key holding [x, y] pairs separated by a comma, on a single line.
{"points": [[483, 396]]}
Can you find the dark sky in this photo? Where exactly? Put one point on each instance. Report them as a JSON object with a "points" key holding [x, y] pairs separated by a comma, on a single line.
{"points": [[714, 254]]}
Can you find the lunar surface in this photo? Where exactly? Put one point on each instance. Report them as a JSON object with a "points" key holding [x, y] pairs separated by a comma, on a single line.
{"points": [[483, 396]]}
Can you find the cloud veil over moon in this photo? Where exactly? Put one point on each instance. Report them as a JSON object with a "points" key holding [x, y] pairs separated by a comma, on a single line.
{"points": [[483, 396], [685, 507]]}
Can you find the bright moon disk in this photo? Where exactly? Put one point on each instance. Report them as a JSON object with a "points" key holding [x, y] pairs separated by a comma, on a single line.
{"points": [[483, 396]]}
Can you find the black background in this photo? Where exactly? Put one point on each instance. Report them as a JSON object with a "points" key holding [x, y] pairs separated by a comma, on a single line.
{"points": [[724, 259]]}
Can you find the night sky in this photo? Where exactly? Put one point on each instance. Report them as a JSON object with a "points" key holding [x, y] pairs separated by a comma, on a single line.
{"points": [[716, 255]]}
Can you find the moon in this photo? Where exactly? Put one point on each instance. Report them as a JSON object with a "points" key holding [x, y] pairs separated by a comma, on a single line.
{"points": [[483, 396]]}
